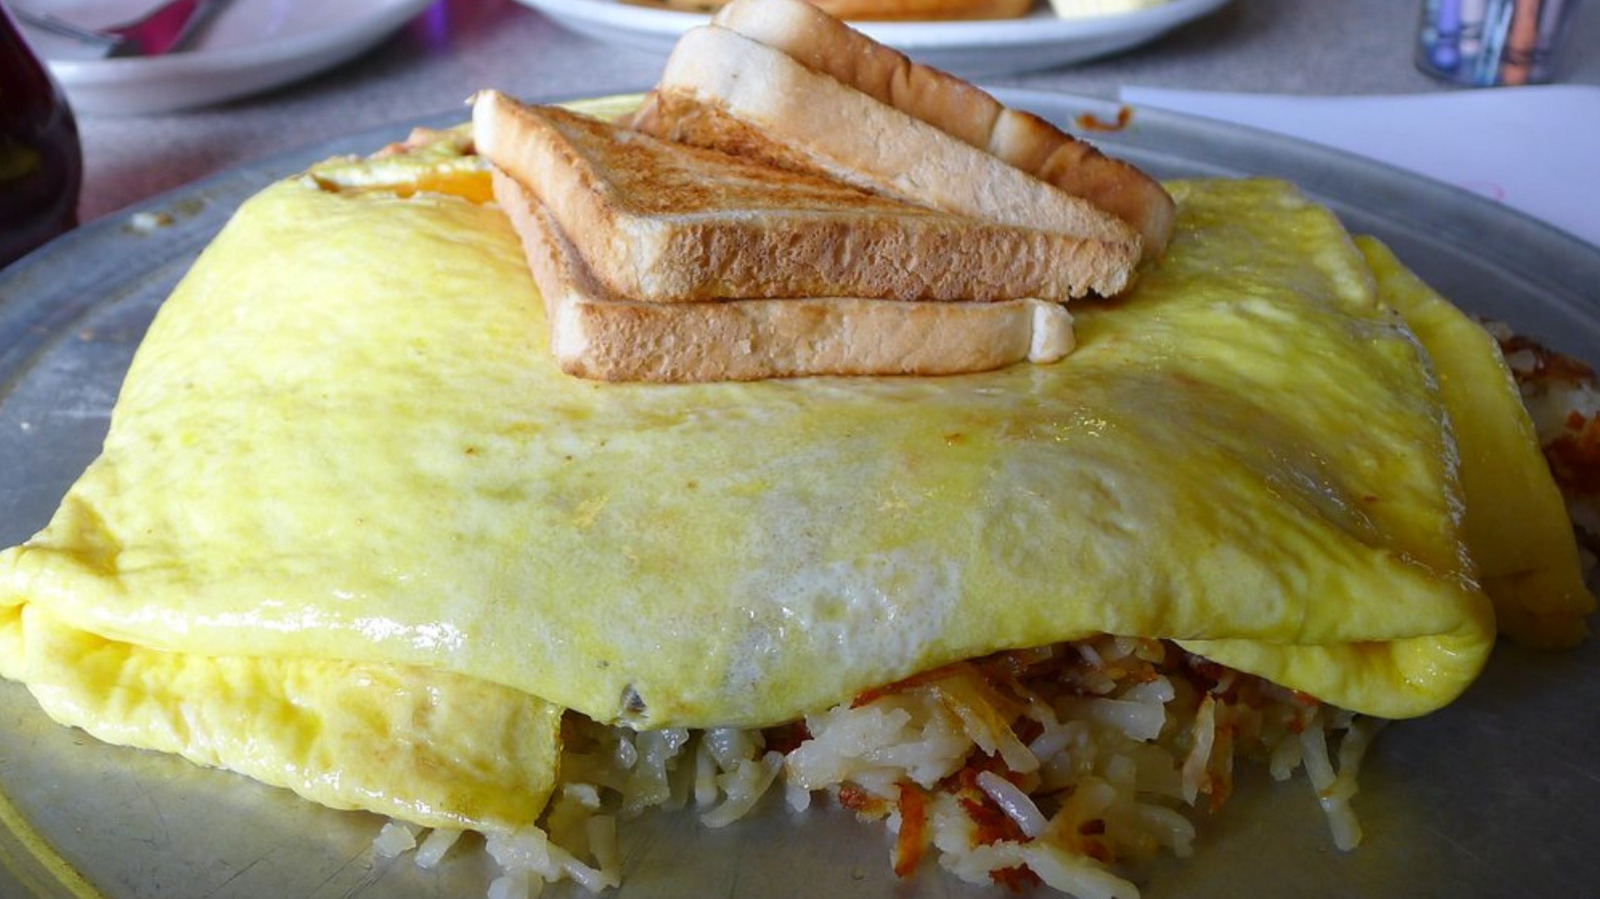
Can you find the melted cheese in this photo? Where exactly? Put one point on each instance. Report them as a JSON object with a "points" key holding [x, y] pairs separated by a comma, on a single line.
{"points": [[342, 457]]}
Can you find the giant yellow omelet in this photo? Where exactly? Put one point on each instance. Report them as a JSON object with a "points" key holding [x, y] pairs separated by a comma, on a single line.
{"points": [[353, 533]]}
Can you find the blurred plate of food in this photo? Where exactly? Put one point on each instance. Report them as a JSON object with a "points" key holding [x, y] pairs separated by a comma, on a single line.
{"points": [[966, 37], [245, 46]]}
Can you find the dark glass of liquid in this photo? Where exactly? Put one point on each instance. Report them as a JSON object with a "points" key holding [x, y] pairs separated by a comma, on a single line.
{"points": [[41, 164]]}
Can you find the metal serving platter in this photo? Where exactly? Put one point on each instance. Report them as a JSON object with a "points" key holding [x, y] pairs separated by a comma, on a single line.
{"points": [[1498, 795]]}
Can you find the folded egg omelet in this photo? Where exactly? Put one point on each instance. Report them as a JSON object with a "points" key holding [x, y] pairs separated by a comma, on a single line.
{"points": [[353, 533]]}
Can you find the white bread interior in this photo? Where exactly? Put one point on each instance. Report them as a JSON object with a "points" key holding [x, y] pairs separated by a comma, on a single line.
{"points": [[666, 222], [595, 334], [726, 91], [827, 45]]}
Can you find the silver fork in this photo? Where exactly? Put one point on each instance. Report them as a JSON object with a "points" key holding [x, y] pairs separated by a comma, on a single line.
{"points": [[162, 30]]}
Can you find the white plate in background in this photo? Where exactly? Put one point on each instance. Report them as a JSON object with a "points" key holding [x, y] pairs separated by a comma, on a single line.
{"points": [[248, 46], [971, 49]]}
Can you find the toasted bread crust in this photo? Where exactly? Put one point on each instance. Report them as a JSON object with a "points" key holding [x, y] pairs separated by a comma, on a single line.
{"points": [[823, 43], [665, 222], [595, 334], [820, 124]]}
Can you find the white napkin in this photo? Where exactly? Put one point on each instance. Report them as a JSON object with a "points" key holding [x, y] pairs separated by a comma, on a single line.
{"points": [[1536, 149]]}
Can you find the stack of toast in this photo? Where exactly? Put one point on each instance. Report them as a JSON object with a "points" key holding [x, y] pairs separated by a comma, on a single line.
{"points": [[795, 199]]}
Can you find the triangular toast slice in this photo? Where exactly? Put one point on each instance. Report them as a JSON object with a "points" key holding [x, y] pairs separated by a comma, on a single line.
{"points": [[725, 91], [827, 45], [660, 221], [597, 334]]}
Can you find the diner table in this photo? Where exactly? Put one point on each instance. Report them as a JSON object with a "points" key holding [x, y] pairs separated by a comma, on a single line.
{"points": [[455, 47]]}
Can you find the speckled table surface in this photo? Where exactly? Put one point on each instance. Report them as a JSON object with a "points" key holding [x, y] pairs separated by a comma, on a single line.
{"points": [[457, 46]]}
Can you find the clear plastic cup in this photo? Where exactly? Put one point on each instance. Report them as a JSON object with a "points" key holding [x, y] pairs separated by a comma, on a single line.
{"points": [[1487, 43]]}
